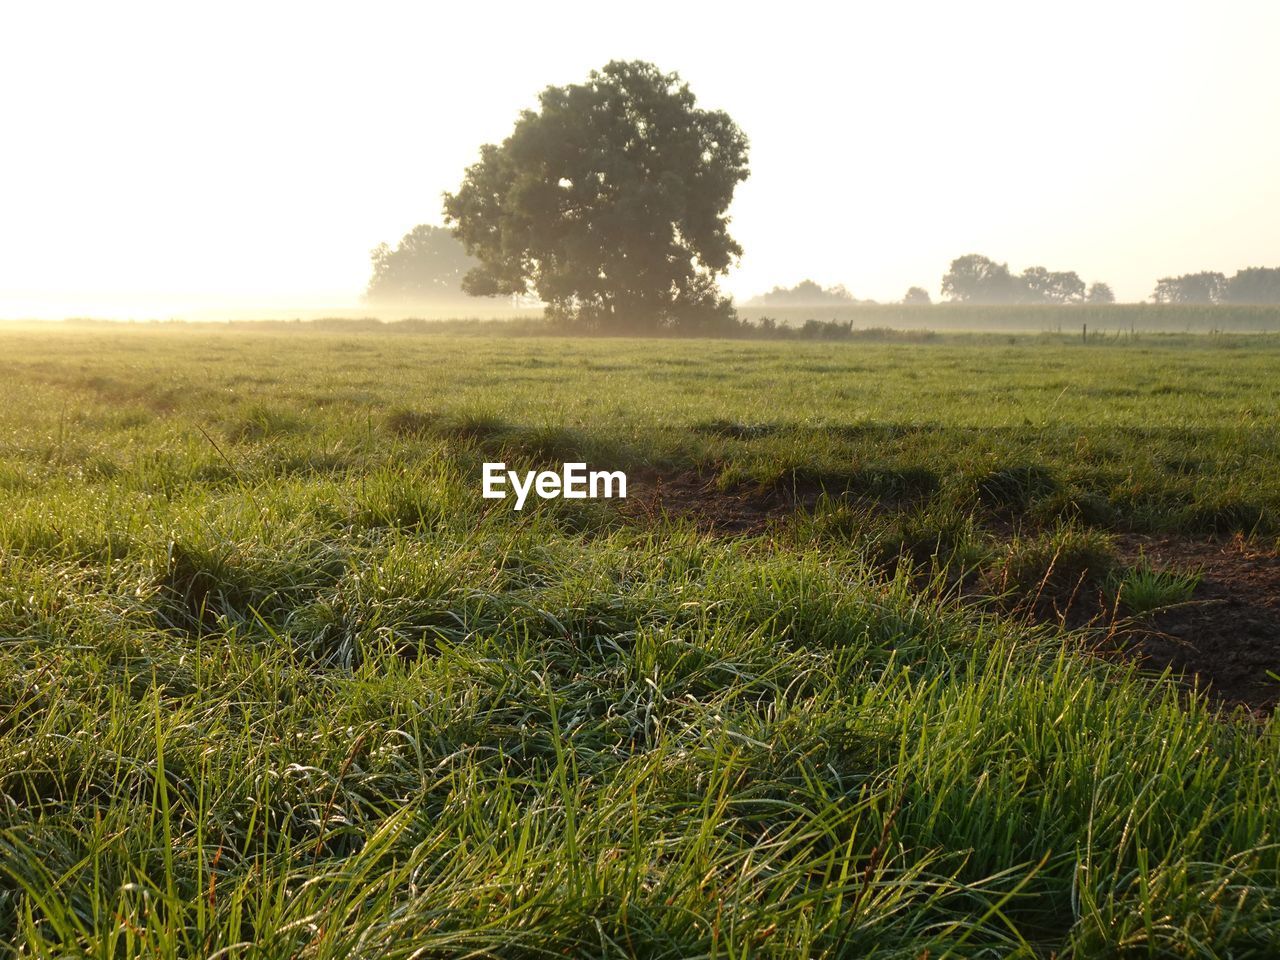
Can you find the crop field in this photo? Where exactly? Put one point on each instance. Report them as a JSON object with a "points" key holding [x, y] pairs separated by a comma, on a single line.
{"points": [[1104, 320], [904, 645]]}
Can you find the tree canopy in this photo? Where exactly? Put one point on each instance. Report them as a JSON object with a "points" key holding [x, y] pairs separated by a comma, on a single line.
{"points": [[1100, 293], [1204, 287], [974, 278], [428, 264], [917, 295], [1053, 286], [609, 203], [1257, 285]]}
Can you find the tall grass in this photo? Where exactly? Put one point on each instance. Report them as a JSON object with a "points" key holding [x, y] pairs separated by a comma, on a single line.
{"points": [[294, 690]]}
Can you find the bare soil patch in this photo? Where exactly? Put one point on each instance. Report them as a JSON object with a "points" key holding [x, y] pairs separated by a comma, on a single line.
{"points": [[1228, 636], [1225, 640], [695, 497], [745, 509]]}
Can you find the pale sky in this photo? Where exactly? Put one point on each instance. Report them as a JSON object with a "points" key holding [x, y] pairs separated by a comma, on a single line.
{"points": [[180, 159]]}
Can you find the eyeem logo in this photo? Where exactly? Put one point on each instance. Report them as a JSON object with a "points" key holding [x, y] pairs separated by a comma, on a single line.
{"points": [[573, 482]]}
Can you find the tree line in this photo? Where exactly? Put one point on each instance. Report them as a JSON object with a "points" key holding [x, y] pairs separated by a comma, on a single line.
{"points": [[806, 293], [429, 264], [977, 279], [974, 278]]}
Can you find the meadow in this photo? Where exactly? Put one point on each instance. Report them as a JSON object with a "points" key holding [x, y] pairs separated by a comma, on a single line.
{"points": [[874, 661]]}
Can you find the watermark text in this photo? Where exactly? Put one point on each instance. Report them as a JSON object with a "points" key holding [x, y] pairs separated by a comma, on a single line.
{"points": [[573, 482]]}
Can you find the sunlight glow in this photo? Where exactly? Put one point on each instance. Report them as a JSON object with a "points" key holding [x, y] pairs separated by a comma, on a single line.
{"points": [[178, 160]]}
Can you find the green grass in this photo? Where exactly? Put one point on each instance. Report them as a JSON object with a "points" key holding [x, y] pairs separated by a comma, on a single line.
{"points": [[1158, 434], [275, 681], [1145, 589]]}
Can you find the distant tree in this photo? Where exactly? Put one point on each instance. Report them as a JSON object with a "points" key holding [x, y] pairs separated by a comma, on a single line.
{"points": [[1203, 287], [1254, 285], [806, 293], [1038, 282], [1050, 286], [609, 201], [1100, 293], [917, 295], [428, 264], [977, 279]]}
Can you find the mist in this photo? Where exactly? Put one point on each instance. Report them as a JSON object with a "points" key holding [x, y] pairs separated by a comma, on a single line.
{"points": [[153, 181]]}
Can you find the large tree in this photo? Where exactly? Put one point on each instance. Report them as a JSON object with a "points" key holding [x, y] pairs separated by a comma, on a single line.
{"points": [[428, 264], [609, 202]]}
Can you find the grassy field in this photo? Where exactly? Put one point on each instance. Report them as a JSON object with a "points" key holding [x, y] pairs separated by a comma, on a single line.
{"points": [[847, 675]]}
